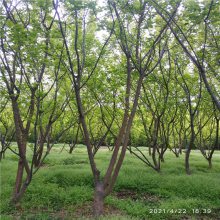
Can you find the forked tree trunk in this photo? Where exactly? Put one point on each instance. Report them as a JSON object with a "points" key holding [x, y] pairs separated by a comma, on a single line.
{"points": [[38, 155], [154, 158], [17, 197], [18, 181], [21, 184], [98, 206], [162, 154]]}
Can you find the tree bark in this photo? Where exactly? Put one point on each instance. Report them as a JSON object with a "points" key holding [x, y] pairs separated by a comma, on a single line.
{"points": [[162, 157], [98, 206], [210, 163], [2, 155], [150, 153], [191, 145], [38, 155], [154, 145], [154, 158], [187, 167], [71, 150], [18, 180]]}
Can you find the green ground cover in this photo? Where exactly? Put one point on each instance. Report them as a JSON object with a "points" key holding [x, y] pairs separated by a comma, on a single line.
{"points": [[63, 188]]}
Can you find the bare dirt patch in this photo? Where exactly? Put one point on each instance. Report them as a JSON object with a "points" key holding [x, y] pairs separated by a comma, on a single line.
{"points": [[80, 212], [41, 213], [86, 211], [129, 194]]}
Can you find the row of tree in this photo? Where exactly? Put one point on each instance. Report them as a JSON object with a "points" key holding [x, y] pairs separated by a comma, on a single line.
{"points": [[121, 74]]}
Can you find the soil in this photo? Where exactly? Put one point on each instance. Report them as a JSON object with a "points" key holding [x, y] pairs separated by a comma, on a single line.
{"points": [[129, 194], [81, 212], [86, 211]]}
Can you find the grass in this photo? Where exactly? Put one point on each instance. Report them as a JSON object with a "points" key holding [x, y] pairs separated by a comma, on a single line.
{"points": [[63, 188]]}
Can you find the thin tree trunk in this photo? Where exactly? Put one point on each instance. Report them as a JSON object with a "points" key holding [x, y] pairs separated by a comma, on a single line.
{"points": [[162, 157], [1, 155], [180, 150], [150, 153], [188, 150], [71, 150], [156, 164], [19, 176], [191, 145], [38, 155], [210, 163], [155, 136], [187, 166]]}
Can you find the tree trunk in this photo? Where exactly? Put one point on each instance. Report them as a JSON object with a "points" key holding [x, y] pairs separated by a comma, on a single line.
{"points": [[187, 167], [18, 181], [191, 142], [17, 197], [156, 163], [180, 150], [71, 149], [177, 153], [162, 154], [1, 155], [162, 158], [129, 147], [210, 163], [98, 207], [38, 155], [150, 151]]}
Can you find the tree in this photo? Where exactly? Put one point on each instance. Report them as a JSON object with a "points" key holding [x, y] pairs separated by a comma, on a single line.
{"points": [[198, 58], [193, 98], [138, 65], [25, 44]]}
